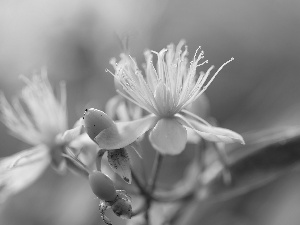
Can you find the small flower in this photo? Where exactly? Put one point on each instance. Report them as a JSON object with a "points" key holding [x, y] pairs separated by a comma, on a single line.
{"points": [[164, 92], [38, 118]]}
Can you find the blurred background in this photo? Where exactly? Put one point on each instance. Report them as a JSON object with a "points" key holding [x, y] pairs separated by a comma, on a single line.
{"points": [[75, 39]]}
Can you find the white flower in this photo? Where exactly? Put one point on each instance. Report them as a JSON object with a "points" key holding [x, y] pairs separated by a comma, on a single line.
{"points": [[38, 118], [164, 92]]}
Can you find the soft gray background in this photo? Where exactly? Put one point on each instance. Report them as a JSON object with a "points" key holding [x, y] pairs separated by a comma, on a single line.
{"points": [[75, 39]]}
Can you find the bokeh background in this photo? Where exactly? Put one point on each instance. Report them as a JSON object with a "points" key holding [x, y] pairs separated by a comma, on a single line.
{"points": [[76, 39]]}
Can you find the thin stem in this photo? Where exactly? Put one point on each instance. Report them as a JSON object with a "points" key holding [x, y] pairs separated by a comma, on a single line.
{"points": [[146, 216], [152, 182], [69, 154], [224, 161], [154, 173], [76, 165], [148, 191], [142, 190], [100, 154], [139, 184]]}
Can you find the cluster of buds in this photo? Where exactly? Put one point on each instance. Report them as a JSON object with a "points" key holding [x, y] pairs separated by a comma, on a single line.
{"points": [[102, 186], [104, 189]]}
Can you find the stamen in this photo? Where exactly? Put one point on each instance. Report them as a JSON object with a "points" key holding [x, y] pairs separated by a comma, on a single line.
{"points": [[154, 52], [196, 53], [180, 87], [206, 61], [113, 62], [135, 102], [108, 71]]}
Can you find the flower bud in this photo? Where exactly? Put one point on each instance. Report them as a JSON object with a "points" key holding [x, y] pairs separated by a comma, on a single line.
{"points": [[122, 208], [96, 121], [102, 186]]}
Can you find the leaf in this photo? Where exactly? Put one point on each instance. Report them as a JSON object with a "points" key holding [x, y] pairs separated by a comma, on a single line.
{"points": [[119, 161], [258, 165], [20, 170]]}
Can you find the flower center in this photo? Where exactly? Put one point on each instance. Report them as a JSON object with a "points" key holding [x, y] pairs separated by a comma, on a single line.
{"points": [[168, 88]]}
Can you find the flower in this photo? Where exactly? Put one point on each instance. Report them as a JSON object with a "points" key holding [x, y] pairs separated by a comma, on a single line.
{"points": [[164, 92], [38, 118]]}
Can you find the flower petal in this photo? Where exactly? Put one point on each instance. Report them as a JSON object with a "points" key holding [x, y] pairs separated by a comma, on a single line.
{"points": [[211, 133], [70, 135], [112, 105], [125, 134], [168, 136], [85, 149], [192, 136], [119, 162], [20, 170]]}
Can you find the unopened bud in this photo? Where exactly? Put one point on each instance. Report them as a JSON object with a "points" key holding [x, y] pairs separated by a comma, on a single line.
{"points": [[102, 186], [96, 121], [122, 208]]}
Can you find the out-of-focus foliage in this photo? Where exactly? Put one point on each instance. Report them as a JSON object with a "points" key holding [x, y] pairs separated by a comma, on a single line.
{"points": [[254, 166]]}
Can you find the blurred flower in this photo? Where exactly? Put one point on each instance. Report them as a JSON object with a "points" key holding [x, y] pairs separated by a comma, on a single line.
{"points": [[119, 108], [164, 92], [38, 118]]}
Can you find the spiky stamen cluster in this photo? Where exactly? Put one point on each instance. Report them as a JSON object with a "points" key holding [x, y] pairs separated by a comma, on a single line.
{"points": [[36, 117], [168, 88]]}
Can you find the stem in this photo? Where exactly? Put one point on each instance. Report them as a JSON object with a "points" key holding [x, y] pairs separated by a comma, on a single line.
{"points": [[224, 161], [152, 182], [76, 165], [173, 218], [154, 173], [139, 184], [143, 191], [148, 191], [100, 154]]}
